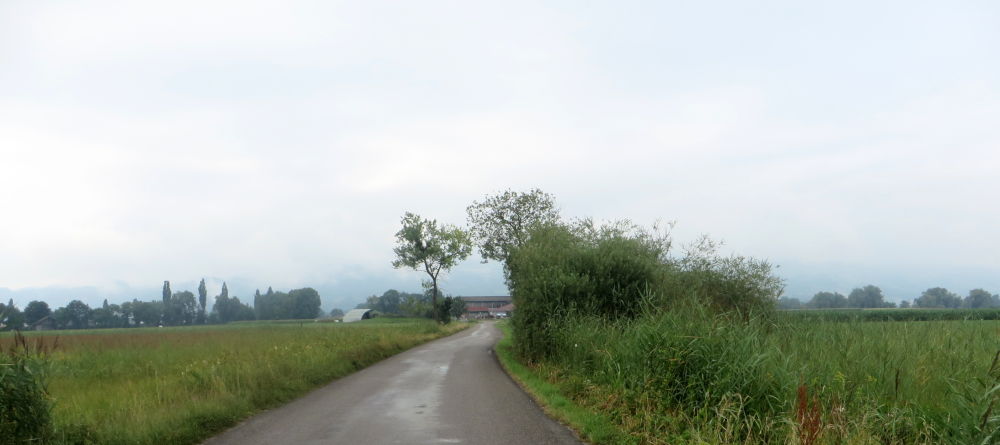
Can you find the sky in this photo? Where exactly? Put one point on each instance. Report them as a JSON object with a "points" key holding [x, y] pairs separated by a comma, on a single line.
{"points": [[278, 143]]}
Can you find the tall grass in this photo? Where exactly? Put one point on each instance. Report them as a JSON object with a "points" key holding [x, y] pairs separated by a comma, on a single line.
{"points": [[179, 385], [683, 377], [25, 409], [690, 350]]}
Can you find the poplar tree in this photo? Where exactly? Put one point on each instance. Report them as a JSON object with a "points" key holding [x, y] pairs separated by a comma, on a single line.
{"points": [[166, 292]]}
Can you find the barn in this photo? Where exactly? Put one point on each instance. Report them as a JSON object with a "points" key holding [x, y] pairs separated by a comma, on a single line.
{"points": [[358, 315]]}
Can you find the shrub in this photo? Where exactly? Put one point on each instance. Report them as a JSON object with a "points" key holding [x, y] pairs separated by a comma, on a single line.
{"points": [[25, 409], [561, 271], [620, 271]]}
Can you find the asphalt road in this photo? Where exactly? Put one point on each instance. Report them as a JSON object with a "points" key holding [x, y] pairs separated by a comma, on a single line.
{"points": [[449, 391]]}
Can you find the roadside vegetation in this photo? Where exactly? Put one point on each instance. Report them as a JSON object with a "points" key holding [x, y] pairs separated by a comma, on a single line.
{"points": [[181, 385], [687, 347]]}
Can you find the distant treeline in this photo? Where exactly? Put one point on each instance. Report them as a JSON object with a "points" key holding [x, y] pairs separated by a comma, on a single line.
{"points": [[870, 297], [412, 304], [174, 309], [851, 314]]}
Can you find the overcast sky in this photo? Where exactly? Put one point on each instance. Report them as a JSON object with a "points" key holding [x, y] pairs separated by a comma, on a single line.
{"points": [[278, 143]]}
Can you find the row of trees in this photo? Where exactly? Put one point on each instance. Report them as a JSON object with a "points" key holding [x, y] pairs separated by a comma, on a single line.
{"points": [[871, 296], [174, 309], [296, 304], [412, 304]]}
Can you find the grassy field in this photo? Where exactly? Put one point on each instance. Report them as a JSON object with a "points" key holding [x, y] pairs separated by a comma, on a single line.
{"points": [[680, 379], [180, 385]]}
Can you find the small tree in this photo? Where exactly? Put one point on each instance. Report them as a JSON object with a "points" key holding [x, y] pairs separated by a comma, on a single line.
{"points": [[457, 307], [424, 245]]}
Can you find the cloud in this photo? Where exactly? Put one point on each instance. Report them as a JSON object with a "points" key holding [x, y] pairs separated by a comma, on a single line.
{"points": [[279, 143]]}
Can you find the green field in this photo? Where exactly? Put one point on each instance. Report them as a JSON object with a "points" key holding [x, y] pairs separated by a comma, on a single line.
{"points": [[180, 385], [913, 314], [675, 378]]}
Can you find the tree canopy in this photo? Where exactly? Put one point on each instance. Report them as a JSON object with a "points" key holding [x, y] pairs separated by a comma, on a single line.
{"points": [[938, 297], [424, 245], [869, 296], [501, 222]]}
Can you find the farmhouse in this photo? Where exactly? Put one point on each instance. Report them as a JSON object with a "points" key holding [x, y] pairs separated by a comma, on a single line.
{"points": [[487, 302], [358, 315], [46, 323], [488, 307]]}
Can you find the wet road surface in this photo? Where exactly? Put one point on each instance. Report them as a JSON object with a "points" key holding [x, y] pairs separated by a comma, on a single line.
{"points": [[449, 391]]}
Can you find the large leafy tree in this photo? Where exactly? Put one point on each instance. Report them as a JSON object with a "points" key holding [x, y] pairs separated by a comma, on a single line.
{"points": [[501, 222], [869, 296], [182, 309], [78, 314], [143, 313], [228, 308], [424, 245], [978, 298], [10, 316], [938, 297], [828, 300], [36, 310], [305, 303]]}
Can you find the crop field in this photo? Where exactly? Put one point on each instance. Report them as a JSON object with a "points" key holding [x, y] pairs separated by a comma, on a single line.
{"points": [[180, 385], [674, 379], [912, 314]]}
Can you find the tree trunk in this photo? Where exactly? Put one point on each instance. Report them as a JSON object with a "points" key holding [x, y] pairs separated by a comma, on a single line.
{"points": [[434, 299]]}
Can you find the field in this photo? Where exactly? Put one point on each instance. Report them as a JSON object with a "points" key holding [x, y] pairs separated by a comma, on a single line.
{"points": [[179, 385], [684, 379], [890, 314]]}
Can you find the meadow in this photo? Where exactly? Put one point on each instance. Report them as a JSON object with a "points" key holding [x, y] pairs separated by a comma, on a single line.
{"points": [[181, 385]]}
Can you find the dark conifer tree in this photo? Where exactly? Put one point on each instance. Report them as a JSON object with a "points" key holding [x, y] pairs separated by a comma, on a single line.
{"points": [[202, 295]]}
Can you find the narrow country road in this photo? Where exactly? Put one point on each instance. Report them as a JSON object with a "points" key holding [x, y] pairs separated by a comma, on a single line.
{"points": [[449, 391]]}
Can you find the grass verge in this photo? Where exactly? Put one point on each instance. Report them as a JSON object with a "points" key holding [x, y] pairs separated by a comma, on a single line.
{"points": [[590, 426], [182, 385]]}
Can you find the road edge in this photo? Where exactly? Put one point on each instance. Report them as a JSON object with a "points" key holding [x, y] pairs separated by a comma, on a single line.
{"points": [[588, 426]]}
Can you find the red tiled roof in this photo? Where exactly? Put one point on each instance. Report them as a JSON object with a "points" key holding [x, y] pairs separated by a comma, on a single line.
{"points": [[477, 309], [504, 308]]}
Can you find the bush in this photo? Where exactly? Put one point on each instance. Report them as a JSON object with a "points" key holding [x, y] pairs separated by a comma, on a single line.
{"points": [[25, 409], [561, 271], [620, 271]]}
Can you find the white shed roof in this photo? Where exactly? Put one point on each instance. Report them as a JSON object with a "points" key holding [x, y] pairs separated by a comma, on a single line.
{"points": [[355, 315]]}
